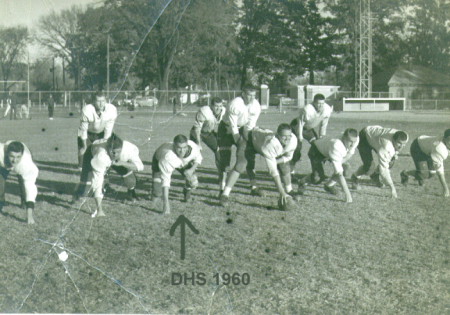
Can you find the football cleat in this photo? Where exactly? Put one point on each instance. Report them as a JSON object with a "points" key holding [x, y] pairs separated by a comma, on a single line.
{"points": [[187, 194], [131, 196], [294, 195], [331, 189], [257, 192], [301, 189], [404, 178], [355, 182], [376, 178]]}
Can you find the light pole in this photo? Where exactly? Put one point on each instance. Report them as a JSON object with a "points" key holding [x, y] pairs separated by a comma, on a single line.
{"points": [[107, 68]]}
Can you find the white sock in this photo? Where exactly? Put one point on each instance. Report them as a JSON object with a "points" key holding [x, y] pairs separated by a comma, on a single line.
{"points": [[288, 188], [226, 191]]}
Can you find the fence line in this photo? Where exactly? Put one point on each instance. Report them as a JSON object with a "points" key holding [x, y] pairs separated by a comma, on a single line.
{"points": [[76, 99]]}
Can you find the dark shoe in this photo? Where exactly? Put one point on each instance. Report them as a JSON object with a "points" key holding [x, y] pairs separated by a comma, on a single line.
{"points": [[376, 178], [331, 189], [421, 182], [224, 201], [404, 178], [355, 182], [107, 190], [75, 198], [294, 195], [131, 196], [187, 194], [301, 189], [257, 192]]}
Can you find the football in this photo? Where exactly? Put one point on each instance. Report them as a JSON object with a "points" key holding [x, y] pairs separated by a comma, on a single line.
{"points": [[288, 205]]}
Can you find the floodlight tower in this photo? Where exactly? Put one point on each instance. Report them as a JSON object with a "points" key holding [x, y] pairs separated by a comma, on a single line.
{"points": [[363, 50]]}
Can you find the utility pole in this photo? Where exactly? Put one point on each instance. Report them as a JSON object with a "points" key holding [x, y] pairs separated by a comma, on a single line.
{"points": [[28, 80], [107, 68], [220, 83], [64, 72], [53, 72]]}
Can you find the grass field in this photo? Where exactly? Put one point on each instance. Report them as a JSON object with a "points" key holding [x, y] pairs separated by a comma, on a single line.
{"points": [[374, 256]]}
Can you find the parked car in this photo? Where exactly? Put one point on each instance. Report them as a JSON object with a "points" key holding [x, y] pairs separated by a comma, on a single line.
{"points": [[276, 98], [145, 101]]}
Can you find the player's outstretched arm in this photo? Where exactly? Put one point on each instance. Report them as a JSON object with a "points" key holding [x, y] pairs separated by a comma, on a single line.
{"points": [[343, 183], [386, 176], [190, 171], [441, 177], [280, 188]]}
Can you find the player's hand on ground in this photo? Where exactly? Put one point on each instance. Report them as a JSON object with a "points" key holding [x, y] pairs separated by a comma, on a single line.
{"points": [[166, 207], [394, 193], [348, 199], [284, 197], [446, 193]]}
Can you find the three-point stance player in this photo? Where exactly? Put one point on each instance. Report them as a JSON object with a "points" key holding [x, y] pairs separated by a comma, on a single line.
{"points": [[387, 143], [338, 152], [240, 117], [182, 155], [121, 156], [16, 157], [96, 122], [206, 125], [429, 154], [277, 150], [310, 116]]}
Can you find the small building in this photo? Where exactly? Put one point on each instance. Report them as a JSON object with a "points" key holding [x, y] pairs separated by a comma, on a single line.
{"points": [[412, 82]]}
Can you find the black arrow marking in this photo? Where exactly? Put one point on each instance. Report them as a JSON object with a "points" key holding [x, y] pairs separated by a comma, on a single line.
{"points": [[182, 221]]}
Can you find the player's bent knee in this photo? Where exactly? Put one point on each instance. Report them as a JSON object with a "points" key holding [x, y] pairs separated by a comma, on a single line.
{"points": [[129, 179], [424, 175], [240, 166], [157, 187], [192, 182]]}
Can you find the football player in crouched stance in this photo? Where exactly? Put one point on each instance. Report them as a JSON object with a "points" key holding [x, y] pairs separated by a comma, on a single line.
{"points": [[206, 125], [429, 154], [387, 143], [121, 156], [16, 157], [182, 155], [338, 152], [277, 150]]}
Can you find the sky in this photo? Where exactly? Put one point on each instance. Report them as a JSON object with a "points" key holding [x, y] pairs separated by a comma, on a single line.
{"points": [[27, 12]]}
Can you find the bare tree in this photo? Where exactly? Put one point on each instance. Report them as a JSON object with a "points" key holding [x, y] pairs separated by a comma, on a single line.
{"points": [[59, 32], [13, 41]]}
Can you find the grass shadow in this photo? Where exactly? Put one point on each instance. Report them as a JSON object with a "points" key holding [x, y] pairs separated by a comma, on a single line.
{"points": [[12, 216]]}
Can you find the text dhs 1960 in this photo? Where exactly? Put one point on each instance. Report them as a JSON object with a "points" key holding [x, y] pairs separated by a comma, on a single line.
{"points": [[199, 278]]}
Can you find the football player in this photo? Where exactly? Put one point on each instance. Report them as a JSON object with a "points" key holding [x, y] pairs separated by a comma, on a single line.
{"points": [[387, 143], [182, 155], [429, 154], [16, 157]]}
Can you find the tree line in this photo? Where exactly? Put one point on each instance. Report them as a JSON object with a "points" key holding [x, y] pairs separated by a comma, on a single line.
{"points": [[167, 44]]}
